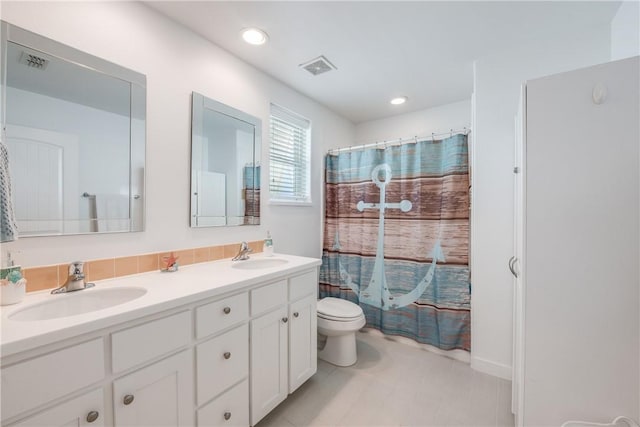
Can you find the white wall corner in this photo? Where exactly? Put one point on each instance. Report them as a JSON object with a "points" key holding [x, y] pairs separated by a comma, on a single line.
{"points": [[492, 368], [625, 31]]}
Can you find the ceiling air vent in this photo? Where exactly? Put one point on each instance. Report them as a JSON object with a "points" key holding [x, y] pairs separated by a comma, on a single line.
{"points": [[33, 61], [318, 65]]}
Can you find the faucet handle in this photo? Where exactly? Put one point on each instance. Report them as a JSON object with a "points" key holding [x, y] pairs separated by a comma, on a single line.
{"points": [[76, 268], [244, 247]]}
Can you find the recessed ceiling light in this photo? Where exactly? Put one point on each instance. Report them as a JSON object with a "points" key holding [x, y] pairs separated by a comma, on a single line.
{"points": [[399, 100], [254, 36]]}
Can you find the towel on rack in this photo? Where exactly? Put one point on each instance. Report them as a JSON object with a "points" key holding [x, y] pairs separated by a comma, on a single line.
{"points": [[112, 212], [8, 225]]}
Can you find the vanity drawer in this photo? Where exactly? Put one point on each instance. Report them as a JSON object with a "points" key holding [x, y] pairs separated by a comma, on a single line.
{"points": [[230, 409], [29, 384], [136, 345], [219, 315], [303, 285], [221, 362], [70, 412], [267, 297]]}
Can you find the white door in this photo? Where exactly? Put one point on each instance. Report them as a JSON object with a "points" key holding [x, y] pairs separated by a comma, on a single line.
{"points": [[268, 362], [582, 244], [516, 264], [303, 344], [45, 193], [84, 411], [158, 395]]}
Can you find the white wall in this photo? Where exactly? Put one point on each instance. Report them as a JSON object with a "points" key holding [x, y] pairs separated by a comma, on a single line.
{"points": [[625, 31], [497, 81], [419, 123], [177, 62]]}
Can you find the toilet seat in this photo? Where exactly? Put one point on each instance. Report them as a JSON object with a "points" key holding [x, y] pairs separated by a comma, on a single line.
{"points": [[338, 310], [337, 318]]}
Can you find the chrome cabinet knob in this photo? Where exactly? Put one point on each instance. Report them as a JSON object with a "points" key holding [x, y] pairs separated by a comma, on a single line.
{"points": [[296, 314], [128, 399], [227, 310], [227, 416], [92, 416], [285, 320], [227, 355]]}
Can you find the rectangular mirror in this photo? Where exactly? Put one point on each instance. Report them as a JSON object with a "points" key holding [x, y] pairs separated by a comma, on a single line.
{"points": [[225, 174], [74, 125]]}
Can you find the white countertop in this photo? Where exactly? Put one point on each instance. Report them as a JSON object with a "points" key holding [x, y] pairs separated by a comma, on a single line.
{"points": [[165, 291]]}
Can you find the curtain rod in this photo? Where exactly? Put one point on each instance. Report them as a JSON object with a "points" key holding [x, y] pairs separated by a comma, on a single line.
{"points": [[400, 141]]}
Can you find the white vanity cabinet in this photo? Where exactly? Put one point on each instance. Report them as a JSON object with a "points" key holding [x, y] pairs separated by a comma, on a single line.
{"points": [[195, 363], [283, 340]]}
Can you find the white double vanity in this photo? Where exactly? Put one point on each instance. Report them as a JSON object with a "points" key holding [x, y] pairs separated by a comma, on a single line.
{"points": [[218, 343]]}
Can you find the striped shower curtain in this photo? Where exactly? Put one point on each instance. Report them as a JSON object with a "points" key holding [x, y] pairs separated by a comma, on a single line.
{"points": [[396, 238]]}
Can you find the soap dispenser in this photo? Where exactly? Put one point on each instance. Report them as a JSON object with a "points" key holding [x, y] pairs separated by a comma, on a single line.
{"points": [[267, 247]]}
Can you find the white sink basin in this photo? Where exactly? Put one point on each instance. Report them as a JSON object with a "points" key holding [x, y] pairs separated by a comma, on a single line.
{"points": [[259, 264], [79, 302]]}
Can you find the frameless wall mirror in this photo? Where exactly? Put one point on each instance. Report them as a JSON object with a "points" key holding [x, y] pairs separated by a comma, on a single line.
{"points": [[74, 125], [225, 174]]}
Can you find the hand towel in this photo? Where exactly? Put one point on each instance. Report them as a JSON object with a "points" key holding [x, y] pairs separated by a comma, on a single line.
{"points": [[8, 225]]}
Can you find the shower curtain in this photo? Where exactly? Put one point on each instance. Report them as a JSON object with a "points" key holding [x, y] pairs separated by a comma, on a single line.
{"points": [[251, 188], [396, 238]]}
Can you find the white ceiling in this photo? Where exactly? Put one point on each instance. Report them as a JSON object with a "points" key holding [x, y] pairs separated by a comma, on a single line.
{"points": [[424, 50]]}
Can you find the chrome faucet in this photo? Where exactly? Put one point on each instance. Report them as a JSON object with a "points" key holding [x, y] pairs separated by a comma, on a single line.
{"points": [[75, 280], [243, 253]]}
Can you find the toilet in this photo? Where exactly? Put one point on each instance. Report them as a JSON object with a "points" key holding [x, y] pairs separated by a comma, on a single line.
{"points": [[338, 320]]}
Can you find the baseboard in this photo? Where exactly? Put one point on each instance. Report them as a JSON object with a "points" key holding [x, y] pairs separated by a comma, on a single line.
{"points": [[492, 368], [459, 355]]}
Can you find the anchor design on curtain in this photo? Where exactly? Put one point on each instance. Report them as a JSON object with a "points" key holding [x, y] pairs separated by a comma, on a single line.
{"points": [[377, 293]]}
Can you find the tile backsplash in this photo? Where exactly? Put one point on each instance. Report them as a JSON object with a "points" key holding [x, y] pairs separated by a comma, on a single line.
{"points": [[52, 276]]}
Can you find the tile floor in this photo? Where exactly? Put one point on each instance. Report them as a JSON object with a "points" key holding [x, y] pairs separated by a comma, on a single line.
{"points": [[394, 384]]}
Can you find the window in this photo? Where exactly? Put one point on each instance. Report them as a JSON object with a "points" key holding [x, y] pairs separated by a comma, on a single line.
{"points": [[289, 157]]}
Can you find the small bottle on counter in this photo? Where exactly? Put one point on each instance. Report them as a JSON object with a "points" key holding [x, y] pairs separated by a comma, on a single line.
{"points": [[267, 247], [12, 284]]}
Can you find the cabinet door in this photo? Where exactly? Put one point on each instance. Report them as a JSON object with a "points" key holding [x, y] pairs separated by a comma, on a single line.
{"points": [[268, 362], [86, 410], [303, 346], [158, 395]]}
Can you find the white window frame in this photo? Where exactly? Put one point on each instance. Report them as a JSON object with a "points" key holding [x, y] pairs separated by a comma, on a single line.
{"points": [[283, 117]]}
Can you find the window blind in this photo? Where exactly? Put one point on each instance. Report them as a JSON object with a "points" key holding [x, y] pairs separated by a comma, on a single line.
{"points": [[289, 157]]}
